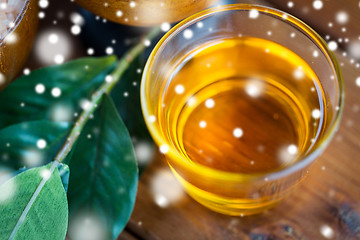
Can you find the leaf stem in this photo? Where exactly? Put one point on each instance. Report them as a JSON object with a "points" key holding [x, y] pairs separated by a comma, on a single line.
{"points": [[106, 87]]}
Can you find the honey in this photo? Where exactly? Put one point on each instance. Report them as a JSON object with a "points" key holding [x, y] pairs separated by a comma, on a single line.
{"points": [[242, 105]]}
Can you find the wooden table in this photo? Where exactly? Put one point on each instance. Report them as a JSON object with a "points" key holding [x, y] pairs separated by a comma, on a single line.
{"points": [[325, 206]]}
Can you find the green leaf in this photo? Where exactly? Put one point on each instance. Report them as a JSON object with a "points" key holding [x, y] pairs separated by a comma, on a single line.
{"points": [[64, 172], [76, 80], [126, 96], [33, 205], [104, 177], [18, 143]]}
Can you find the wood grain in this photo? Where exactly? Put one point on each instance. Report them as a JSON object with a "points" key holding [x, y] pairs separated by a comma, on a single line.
{"points": [[320, 19]]}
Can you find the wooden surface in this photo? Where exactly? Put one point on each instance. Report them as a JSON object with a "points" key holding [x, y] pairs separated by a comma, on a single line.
{"points": [[325, 206]]}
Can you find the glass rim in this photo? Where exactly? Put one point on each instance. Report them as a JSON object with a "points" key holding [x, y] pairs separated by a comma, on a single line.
{"points": [[25, 7], [173, 154]]}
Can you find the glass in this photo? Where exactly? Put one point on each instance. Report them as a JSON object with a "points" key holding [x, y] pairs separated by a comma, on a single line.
{"points": [[241, 99], [16, 44], [144, 12]]}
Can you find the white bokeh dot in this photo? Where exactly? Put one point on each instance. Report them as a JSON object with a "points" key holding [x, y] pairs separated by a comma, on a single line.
{"points": [[53, 42], [2, 79], [202, 124], [332, 45], [316, 113], [41, 143], [75, 29], [315, 53], [179, 89], [132, 4], [90, 51], [147, 42], [56, 92], [86, 226], [77, 19], [253, 89], [26, 71], [143, 151], [165, 189], [188, 33], [109, 50], [85, 104], [152, 118], [238, 132], [40, 88], [342, 17], [290, 4], [253, 14], [119, 13], [292, 149], [164, 148], [318, 4], [191, 101], [41, 15], [3, 5], [327, 231], [59, 59], [299, 73], [108, 78], [9, 188], [354, 49], [165, 26], [43, 3], [210, 103], [357, 81], [161, 201], [53, 38]]}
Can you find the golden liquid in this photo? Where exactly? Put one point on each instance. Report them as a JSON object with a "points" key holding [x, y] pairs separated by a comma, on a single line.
{"points": [[244, 105]]}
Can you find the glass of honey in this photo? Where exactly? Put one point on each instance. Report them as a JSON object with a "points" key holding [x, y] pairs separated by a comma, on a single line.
{"points": [[241, 99]]}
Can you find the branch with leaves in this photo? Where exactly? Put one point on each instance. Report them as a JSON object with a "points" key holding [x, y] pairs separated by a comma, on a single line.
{"points": [[37, 127]]}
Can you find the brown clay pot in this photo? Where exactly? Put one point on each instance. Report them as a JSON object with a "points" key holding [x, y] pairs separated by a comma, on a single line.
{"points": [[16, 45], [144, 12]]}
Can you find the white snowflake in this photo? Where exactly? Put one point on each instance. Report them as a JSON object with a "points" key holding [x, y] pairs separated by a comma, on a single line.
{"points": [[318, 4], [188, 33], [41, 143], [210, 103], [40, 88], [238, 132]]}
